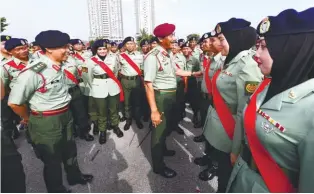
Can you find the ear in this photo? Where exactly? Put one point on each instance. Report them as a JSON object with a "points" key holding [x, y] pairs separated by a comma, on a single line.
{"points": [[48, 50]]}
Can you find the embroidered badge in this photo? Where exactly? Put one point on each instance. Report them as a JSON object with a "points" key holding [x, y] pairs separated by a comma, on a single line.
{"points": [[56, 67], [7, 37], [265, 25], [250, 87], [85, 69], [267, 127]]}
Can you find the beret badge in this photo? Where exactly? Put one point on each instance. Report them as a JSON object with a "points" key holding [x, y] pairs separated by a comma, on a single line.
{"points": [[265, 25]]}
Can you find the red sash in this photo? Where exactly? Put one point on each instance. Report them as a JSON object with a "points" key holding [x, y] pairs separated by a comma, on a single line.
{"points": [[14, 65], [70, 76], [274, 177], [78, 56], [222, 109], [206, 64], [111, 75], [133, 65]]}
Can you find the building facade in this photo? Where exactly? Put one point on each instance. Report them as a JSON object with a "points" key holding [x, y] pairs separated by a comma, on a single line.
{"points": [[145, 16], [105, 19]]}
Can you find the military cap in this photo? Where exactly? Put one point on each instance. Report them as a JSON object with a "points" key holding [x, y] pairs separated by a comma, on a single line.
{"points": [[164, 30], [113, 43], [205, 36], [100, 43], [34, 43], [144, 42], [193, 38], [26, 41], [52, 39], [106, 40], [75, 41], [186, 44], [233, 24], [120, 46], [175, 41], [14, 42], [287, 22], [5, 38], [128, 39], [154, 39]]}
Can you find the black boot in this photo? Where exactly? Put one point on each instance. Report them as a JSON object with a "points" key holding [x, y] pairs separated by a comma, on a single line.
{"points": [[96, 129], [118, 132], [127, 124], [200, 138], [179, 130], [82, 179], [122, 119], [15, 133], [102, 137], [166, 172], [169, 152], [209, 173], [202, 161], [139, 124], [87, 136]]}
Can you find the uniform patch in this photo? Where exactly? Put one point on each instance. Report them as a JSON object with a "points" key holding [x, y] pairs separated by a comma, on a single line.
{"points": [[85, 69], [250, 87], [265, 25]]}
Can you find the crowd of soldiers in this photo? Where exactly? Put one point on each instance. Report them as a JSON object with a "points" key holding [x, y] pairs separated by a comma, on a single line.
{"points": [[251, 90]]}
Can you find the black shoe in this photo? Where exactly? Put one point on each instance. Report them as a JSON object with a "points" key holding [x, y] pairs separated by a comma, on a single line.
{"points": [[197, 125], [87, 137], [200, 138], [208, 174], [102, 137], [122, 119], [118, 132], [82, 180], [127, 124], [166, 172], [179, 131], [183, 114], [139, 124], [169, 153], [15, 133], [202, 161], [96, 129], [194, 120]]}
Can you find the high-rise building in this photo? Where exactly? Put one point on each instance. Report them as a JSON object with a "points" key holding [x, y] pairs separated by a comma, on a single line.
{"points": [[145, 16], [105, 19]]}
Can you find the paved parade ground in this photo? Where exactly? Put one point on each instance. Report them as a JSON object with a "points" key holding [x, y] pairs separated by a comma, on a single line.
{"points": [[121, 166]]}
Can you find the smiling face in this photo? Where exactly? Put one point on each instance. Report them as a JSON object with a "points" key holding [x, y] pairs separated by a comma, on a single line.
{"points": [[102, 51], [59, 54], [263, 58]]}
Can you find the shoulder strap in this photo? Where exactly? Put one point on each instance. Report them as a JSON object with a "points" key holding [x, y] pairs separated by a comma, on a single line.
{"points": [[38, 68]]}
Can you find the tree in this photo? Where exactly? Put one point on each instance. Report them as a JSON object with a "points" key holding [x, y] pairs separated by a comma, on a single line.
{"points": [[143, 35], [4, 24], [197, 36]]}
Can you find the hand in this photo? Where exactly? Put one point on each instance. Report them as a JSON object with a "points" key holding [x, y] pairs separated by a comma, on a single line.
{"points": [[233, 158], [156, 118], [24, 121], [197, 74]]}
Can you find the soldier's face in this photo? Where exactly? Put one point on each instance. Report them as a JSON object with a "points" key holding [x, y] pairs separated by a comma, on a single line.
{"points": [[192, 44], [174, 48], [186, 51], [167, 41], [225, 45], [207, 45], [102, 51], [216, 46], [114, 49], [130, 46], [263, 58], [145, 49], [59, 54], [78, 47], [153, 44], [20, 52]]}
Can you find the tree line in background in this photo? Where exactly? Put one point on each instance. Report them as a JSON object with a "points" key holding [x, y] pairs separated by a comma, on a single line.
{"points": [[4, 24]]}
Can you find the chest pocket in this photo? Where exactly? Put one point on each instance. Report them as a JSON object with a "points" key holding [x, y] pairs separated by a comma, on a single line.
{"points": [[164, 65], [14, 72], [55, 86]]}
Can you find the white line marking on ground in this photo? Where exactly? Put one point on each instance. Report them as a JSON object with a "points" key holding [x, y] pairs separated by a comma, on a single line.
{"points": [[93, 147], [184, 149], [89, 187]]}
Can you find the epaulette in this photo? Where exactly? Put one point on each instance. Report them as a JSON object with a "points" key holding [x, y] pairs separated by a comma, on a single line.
{"points": [[152, 52], [38, 67]]}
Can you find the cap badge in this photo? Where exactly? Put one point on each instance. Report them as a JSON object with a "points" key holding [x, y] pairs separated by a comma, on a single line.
{"points": [[218, 29], [265, 25], [22, 42], [132, 39], [213, 33], [7, 37], [206, 36]]}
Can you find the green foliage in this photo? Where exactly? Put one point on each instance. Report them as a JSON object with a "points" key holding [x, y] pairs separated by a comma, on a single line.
{"points": [[4, 24], [143, 35], [193, 35]]}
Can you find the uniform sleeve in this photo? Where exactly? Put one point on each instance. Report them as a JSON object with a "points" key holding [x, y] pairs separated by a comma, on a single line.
{"points": [[306, 155], [247, 81], [4, 75], [26, 85], [150, 68], [87, 72]]}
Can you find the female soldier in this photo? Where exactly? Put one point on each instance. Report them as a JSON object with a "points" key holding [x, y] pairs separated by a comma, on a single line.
{"points": [[278, 120], [231, 86], [102, 70]]}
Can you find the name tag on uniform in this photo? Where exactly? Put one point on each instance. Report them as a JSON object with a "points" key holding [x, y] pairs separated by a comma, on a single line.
{"points": [[227, 73]]}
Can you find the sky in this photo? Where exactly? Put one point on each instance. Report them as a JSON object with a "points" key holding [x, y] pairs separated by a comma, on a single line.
{"points": [[27, 18]]}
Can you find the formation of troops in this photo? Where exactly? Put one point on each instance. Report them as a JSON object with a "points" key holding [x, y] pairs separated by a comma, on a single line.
{"points": [[251, 91]]}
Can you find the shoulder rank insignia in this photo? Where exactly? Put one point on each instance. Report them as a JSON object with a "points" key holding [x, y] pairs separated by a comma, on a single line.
{"points": [[38, 67]]}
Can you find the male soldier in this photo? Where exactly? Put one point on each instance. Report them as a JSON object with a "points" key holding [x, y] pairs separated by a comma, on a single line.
{"points": [[12, 173], [131, 62], [153, 42], [181, 41], [161, 84], [37, 52], [145, 47], [196, 52], [79, 49], [4, 53], [11, 68], [192, 65], [43, 86], [121, 48], [114, 47]]}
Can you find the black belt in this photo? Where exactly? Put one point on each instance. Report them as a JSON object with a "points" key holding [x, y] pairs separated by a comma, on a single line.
{"points": [[129, 77], [80, 80], [71, 90], [103, 76]]}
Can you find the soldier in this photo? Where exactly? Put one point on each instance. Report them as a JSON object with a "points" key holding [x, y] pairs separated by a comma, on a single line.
{"points": [[114, 47], [231, 86], [36, 51], [121, 48], [181, 41], [145, 47], [161, 84], [277, 154], [131, 65], [18, 50], [102, 70], [43, 86], [196, 52], [79, 51], [12, 172], [153, 42], [4, 53], [192, 95]]}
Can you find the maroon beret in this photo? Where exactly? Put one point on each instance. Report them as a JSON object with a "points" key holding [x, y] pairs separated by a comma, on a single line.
{"points": [[164, 30]]}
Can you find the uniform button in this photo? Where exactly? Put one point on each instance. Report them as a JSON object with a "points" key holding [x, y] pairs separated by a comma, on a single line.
{"points": [[239, 164]]}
